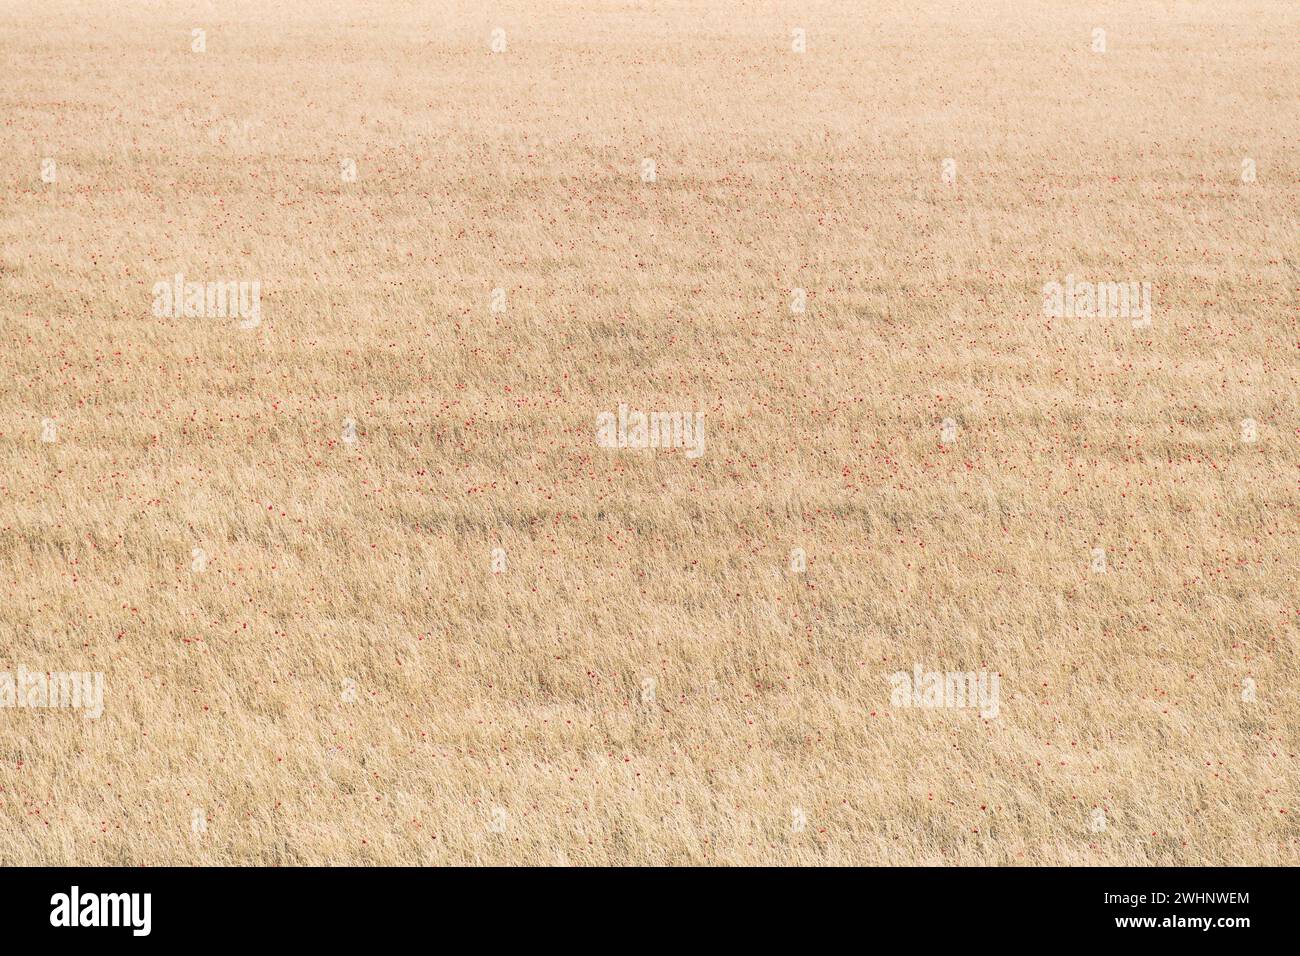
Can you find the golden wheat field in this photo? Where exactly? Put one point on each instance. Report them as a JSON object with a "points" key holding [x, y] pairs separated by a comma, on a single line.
{"points": [[580, 433]]}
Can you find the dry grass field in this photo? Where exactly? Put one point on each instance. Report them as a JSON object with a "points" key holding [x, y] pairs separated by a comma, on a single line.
{"points": [[276, 535]]}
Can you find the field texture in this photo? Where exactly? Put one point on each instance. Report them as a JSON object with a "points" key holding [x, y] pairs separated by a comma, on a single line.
{"points": [[360, 539]]}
